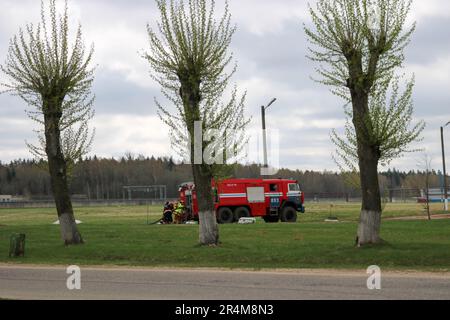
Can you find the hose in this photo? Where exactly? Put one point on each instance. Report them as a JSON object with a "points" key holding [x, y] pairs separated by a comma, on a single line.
{"points": [[156, 222]]}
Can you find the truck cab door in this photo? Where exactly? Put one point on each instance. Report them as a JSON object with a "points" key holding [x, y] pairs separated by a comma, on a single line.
{"points": [[273, 197]]}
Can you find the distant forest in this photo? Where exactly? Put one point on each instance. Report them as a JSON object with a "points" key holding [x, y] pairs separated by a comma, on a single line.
{"points": [[102, 179]]}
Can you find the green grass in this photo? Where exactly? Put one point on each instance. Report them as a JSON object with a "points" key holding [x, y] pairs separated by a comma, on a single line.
{"points": [[120, 236]]}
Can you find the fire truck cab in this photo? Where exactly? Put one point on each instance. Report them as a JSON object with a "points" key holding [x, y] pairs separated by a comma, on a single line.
{"points": [[271, 199]]}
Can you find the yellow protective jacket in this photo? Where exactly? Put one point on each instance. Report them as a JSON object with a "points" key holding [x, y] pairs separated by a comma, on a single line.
{"points": [[179, 209]]}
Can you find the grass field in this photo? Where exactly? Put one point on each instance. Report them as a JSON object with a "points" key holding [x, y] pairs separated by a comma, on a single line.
{"points": [[120, 236]]}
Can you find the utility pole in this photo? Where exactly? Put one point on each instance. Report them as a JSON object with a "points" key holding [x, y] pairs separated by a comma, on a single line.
{"points": [[445, 172], [263, 115]]}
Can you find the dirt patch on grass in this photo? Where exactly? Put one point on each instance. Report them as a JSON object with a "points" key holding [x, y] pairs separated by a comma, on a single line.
{"points": [[422, 217]]}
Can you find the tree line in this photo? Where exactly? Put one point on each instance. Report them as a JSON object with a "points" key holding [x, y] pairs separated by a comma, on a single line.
{"points": [[96, 178]]}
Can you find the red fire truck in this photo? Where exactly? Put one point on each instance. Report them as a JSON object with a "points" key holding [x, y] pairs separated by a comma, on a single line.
{"points": [[271, 199]]}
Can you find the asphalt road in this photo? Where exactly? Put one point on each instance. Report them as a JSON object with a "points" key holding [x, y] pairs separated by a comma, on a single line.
{"points": [[18, 282]]}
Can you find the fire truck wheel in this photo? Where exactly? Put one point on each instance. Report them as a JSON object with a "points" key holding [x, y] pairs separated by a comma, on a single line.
{"points": [[241, 212], [225, 215], [288, 214]]}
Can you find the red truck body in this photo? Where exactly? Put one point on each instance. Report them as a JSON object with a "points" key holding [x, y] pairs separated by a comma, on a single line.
{"points": [[271, 199]]}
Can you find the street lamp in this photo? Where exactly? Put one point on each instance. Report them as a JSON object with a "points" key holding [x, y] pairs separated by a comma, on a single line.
{"points": [[445, 173], [263, 114]]}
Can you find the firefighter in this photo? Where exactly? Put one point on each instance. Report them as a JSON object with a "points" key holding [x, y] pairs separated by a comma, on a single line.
{"points": [[167, 214], [179, 212]]}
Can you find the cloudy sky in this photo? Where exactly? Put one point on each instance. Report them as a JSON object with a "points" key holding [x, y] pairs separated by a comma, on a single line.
{"points": [[270, 49]]}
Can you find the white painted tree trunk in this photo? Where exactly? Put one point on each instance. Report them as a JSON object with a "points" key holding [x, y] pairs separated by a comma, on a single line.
{"points": [[208, 228], [369, 228], [69, 230]]}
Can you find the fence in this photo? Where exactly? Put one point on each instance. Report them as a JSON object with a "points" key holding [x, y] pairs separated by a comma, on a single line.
{"points": [[82, 203], [331, 197], [391, 195]]}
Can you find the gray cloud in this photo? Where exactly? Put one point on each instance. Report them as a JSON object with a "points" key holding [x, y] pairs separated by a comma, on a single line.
{"points": [[116, 95], [430, 40], [270, 49]]}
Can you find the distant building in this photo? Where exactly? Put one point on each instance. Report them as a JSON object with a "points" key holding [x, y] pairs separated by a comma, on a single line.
{"points": [[6, 198], [434, 195]]}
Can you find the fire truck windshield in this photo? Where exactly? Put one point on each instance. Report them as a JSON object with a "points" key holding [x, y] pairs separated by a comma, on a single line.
{"points": [[294, 187]]}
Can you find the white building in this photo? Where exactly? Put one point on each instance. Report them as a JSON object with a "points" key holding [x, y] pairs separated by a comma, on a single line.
{"points": [[5, 198]]}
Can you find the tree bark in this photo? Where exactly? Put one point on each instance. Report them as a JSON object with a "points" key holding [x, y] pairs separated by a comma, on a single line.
{"points": [[427, 186], [370, 216], [58, 175], [208, 228], [368, 155]]}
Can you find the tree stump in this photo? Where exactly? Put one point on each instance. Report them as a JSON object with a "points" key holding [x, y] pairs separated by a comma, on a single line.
{"points": [[17, 245]]}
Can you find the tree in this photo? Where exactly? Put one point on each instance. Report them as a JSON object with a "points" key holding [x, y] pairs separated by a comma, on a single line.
{"points": [[426, 163], [359, 45], [189, 56], [55, 79]]}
